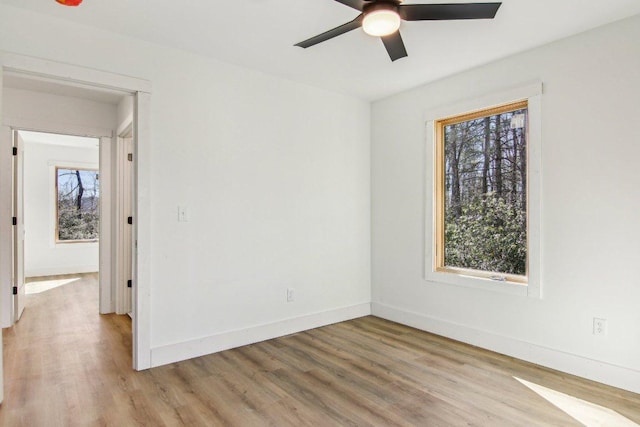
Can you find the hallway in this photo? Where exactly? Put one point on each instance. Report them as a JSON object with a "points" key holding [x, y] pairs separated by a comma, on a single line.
{"points": [[63, 351]]}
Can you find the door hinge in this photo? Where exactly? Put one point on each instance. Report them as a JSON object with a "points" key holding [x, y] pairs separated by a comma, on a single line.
{"points": [[15, 151], [15, 290], [14, 221], [130, 220], [129, 283], [130, 157]]}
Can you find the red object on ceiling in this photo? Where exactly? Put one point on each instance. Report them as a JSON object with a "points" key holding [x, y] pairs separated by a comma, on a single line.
{"points": [[69, 2]]}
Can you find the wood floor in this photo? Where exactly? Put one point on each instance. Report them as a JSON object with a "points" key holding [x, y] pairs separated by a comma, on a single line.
{"points": [[65, 365]]}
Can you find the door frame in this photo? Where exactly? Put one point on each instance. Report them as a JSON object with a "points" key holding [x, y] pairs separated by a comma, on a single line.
{"points": [[106, 202], [74, 75]]}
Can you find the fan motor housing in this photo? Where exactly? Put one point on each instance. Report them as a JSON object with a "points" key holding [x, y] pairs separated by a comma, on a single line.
{"points": [[381, 5]]}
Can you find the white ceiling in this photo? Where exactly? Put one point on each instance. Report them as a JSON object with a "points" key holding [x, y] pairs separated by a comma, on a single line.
{"points": [[260, 34]]}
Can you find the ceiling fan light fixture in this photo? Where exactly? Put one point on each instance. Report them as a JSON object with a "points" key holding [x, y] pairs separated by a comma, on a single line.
{"points": [[381, 22], [381, 18]]}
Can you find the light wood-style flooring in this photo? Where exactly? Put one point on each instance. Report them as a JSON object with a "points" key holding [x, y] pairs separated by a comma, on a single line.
{"points": [[65, 365]]}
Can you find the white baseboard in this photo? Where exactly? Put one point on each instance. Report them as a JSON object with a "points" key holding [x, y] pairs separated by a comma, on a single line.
{"points": [[58, 271], [226, 340], [613, 375]]}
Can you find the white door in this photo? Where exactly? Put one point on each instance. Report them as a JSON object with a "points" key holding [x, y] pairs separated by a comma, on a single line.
{"points": [[128, 240], [124, 228], [18, 229]]}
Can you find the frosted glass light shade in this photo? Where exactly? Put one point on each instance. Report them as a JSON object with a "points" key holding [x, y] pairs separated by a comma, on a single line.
{"points": [[381, 22]]}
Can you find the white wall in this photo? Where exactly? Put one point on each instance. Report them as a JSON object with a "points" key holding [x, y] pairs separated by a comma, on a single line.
{"points": [[276, 179], [22, 108], [590, 204], [42, 255], [275, 176]]}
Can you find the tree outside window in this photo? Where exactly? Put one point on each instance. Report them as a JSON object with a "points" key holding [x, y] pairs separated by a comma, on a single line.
{"points": [[481, 194], [78, 201]]}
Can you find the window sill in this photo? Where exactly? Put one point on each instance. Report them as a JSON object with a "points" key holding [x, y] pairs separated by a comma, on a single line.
{"points": [[505, 287], [75, 243]]}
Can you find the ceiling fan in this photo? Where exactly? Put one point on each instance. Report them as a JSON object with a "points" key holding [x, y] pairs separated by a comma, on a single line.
{"points": [[382, 18]]}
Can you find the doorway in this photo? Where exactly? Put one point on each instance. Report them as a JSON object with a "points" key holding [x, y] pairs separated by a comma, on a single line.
{"points": [[57, 187], [73, 81]]}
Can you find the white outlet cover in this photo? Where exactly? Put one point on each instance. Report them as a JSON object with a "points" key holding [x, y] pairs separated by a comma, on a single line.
{"points": [[599, 326]]}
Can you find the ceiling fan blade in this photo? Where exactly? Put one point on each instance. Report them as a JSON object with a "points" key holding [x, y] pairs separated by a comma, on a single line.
{"points": [[436, 12], [356, 4], [344, 28], [394, 45]]}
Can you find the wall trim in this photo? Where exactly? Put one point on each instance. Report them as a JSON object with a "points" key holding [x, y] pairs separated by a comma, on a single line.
{"points": [[57, 271], [73, 75], [226, 340], [617, 376]]}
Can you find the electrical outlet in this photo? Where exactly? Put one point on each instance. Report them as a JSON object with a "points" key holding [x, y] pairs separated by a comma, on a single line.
{"points": [[289, 294], [599, 326]]}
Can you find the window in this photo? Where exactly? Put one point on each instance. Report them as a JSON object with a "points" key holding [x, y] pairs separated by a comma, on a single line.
{"points": [[481, 193], [482, 205], [77, 207]]}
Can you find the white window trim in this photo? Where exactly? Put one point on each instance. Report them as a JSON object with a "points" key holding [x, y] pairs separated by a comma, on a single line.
{"points": [[532, 93]]}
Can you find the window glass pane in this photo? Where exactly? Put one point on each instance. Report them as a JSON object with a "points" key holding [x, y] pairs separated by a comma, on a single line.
{"points": [[485, 193], [78, 204]]}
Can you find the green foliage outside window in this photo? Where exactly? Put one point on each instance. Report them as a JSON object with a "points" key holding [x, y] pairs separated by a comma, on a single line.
{"points": [[487, 236]]}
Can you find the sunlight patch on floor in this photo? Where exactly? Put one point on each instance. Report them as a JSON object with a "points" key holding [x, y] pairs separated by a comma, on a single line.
{"points": [[46, 285], [587, 413]]}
